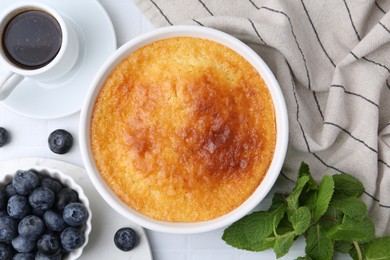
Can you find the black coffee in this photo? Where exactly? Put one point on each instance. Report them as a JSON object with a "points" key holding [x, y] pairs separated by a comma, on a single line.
{"points": [[32, 39]]}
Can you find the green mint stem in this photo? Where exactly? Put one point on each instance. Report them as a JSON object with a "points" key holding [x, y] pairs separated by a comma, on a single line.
{"points": [[358, 251]]}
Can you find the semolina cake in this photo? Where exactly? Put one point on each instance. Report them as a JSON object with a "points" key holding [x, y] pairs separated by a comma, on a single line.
{"points": [[183, 130]]}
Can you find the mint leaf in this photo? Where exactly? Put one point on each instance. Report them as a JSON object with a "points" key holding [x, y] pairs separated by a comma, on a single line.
{"points": [[351, 229], [265, 244], [351, 206], [318, 244], [278, 215], [310, 199], [301, 220], [347, 185], [277, 200], [305, 171], [325, 193], [283, 244], [378, 249], [342, 246], [304, 258], [249, 232], [293, 198], [284, 226]]}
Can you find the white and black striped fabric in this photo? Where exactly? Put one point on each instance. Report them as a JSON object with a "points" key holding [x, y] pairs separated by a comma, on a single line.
{"points": [[332, 60]]}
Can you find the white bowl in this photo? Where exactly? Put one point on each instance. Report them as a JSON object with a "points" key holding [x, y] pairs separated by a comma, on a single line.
{"points": [[281, 123], [66, 181]]}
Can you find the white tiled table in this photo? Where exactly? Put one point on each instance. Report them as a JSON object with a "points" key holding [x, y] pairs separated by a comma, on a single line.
{"points": [[29, 139]]}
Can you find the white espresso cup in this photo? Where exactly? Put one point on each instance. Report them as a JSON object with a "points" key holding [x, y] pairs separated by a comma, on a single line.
{"points": [[37, 42]]}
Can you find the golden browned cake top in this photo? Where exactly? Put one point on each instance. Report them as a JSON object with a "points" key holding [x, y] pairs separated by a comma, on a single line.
{"points": [[183, 130]]}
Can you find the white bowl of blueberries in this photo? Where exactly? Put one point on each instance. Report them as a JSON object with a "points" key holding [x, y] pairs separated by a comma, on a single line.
{"points": [[44, 214]]}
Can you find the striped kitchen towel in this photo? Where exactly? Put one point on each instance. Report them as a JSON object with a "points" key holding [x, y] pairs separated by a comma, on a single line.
{"points": [[332, 61]]}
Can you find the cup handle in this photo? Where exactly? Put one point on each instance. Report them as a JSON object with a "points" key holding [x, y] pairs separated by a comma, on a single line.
{"points": [[8, 81]]}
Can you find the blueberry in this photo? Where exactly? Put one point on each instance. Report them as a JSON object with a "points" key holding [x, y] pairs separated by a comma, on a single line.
{"points": [[41, 256], [66, 196], [54, 221], [52, 184], [4, 136], [5, 251], [25, 182], [3, 200], [8, 229], [49, 244], [9, 190], [24, 256], [125, 239], [75, 214], [72, 238], [42, 198], [31, 227], [23, 244], [18, 206], [60, 141]]}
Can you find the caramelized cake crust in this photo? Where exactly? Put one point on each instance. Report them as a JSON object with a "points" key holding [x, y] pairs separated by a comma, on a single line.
{"points": [[183, 130]]}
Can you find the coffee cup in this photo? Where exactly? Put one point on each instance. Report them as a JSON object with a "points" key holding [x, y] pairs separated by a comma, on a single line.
{"points": [[37, 43]]}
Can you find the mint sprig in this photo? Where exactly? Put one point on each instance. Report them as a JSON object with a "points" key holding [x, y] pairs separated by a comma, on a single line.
{"points": [[328, 214]]}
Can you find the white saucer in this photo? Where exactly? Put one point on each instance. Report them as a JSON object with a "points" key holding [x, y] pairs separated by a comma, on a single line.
{"points": [[105, 220], [98, 41]]}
